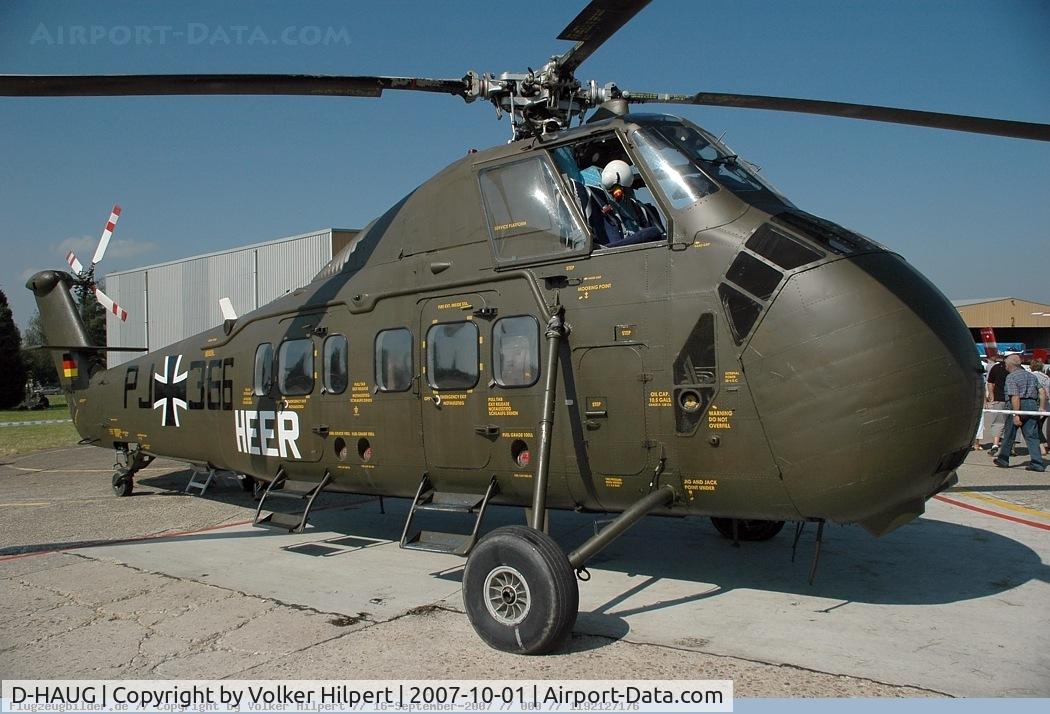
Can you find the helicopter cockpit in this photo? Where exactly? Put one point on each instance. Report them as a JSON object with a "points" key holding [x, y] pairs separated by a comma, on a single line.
{"points": [[531, 212], [609, 186], [610, 192]]}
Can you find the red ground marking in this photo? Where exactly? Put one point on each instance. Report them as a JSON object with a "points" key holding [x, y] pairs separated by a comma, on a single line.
{"points": [[987, 512]]}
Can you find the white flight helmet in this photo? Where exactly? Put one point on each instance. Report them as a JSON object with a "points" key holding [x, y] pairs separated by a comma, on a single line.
{"points": [[618, 172]]}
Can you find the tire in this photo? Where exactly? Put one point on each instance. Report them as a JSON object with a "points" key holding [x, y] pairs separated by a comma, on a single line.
{"points": [[526, 565], [123, 484], [750, 530], [247, 484]]}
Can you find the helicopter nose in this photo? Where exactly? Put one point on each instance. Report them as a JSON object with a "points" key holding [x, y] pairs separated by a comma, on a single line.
{"points": [[869, 388]]}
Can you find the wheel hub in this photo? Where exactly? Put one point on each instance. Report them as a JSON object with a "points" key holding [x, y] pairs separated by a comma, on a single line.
{"points": [[507, 596]]}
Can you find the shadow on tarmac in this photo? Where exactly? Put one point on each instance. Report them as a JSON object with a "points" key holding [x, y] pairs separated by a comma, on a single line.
{"points": [[927, 562]]}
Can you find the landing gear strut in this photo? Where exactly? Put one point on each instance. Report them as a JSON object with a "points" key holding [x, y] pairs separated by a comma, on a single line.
{"points": [[519, 587], [129, 463]]}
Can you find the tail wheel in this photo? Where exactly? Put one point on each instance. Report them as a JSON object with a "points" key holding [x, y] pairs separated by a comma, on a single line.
{"points": [[747, 529], [519, 591], [123, 484]]}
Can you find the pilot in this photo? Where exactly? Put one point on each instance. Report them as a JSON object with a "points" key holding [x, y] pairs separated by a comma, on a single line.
{"points": [[615, 221], [639, 222]]}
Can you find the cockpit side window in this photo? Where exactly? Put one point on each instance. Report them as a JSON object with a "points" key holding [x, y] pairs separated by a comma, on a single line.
{"points": [[689, 164], [528, 214], [680, 180]]}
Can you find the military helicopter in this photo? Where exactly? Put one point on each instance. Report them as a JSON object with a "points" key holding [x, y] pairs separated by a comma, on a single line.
{"points": [[611, 313]]}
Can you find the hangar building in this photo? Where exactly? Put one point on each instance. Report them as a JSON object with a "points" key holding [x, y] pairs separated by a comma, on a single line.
{"points": [[1013, 319], [170, 301]]}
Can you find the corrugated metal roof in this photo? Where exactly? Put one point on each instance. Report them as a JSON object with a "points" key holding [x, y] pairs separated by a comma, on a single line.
{"points": [[982, 301], [1004, 313], [978, 301], [232, 249]]}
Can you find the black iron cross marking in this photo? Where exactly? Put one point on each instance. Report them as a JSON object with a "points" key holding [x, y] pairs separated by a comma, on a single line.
{"points": [[170, 391]]}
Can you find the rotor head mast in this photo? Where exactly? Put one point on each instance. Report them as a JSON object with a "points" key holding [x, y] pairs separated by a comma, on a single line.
{"points": [[545, 101], [541, 102]]}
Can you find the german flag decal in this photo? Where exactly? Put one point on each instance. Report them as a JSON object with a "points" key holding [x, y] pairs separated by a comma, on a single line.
{"points": [[69, 366]]}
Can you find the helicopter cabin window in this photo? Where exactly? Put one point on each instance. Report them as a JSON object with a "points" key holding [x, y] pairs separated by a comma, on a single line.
{"points": [[335, 364], [527, 212], [452, 355], [741, 310], [780, 248], [516, 351], [750, 273], [263, 369], [295, 367], [393, 357]]}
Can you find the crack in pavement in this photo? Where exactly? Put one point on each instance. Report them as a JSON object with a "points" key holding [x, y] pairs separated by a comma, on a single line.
{"points": [[290, 605], [151, 663]]}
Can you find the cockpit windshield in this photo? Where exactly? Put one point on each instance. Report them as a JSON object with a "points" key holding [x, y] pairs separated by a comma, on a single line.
{"points": [[684, 159]]}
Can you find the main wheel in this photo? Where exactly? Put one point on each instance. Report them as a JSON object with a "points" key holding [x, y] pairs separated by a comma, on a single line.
{"points": [[748, 529], [123, 484], [519, 591]]}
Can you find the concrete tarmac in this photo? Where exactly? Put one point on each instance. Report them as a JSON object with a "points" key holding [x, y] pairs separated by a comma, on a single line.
{"points": [[165, 585]]}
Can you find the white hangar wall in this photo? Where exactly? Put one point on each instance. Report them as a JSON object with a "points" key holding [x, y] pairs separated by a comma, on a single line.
{"points": [[171, 301]]}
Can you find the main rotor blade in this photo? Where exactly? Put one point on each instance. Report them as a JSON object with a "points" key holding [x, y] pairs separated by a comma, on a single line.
{"points": [[108, 85], [107, 233], [936, 120], [595, 24]]}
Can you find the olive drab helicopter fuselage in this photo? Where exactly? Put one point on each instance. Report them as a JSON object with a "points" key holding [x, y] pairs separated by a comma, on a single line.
{"points": [[619, 316], [738, 359]]}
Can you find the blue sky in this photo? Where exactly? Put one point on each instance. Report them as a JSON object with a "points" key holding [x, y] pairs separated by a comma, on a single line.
{"points": [[206, 173]]}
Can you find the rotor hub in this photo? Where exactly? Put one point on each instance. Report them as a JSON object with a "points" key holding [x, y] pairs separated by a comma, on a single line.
{"points": [[539, 100]]}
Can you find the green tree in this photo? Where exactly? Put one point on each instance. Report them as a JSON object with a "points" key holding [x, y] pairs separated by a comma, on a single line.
{"points": [[12, 371], [38, 362], [94, 317]]}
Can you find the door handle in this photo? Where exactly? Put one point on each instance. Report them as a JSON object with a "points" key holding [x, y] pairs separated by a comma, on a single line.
{"points": [[486, 430], [596, 413], [436, 398], [320, 430]]}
